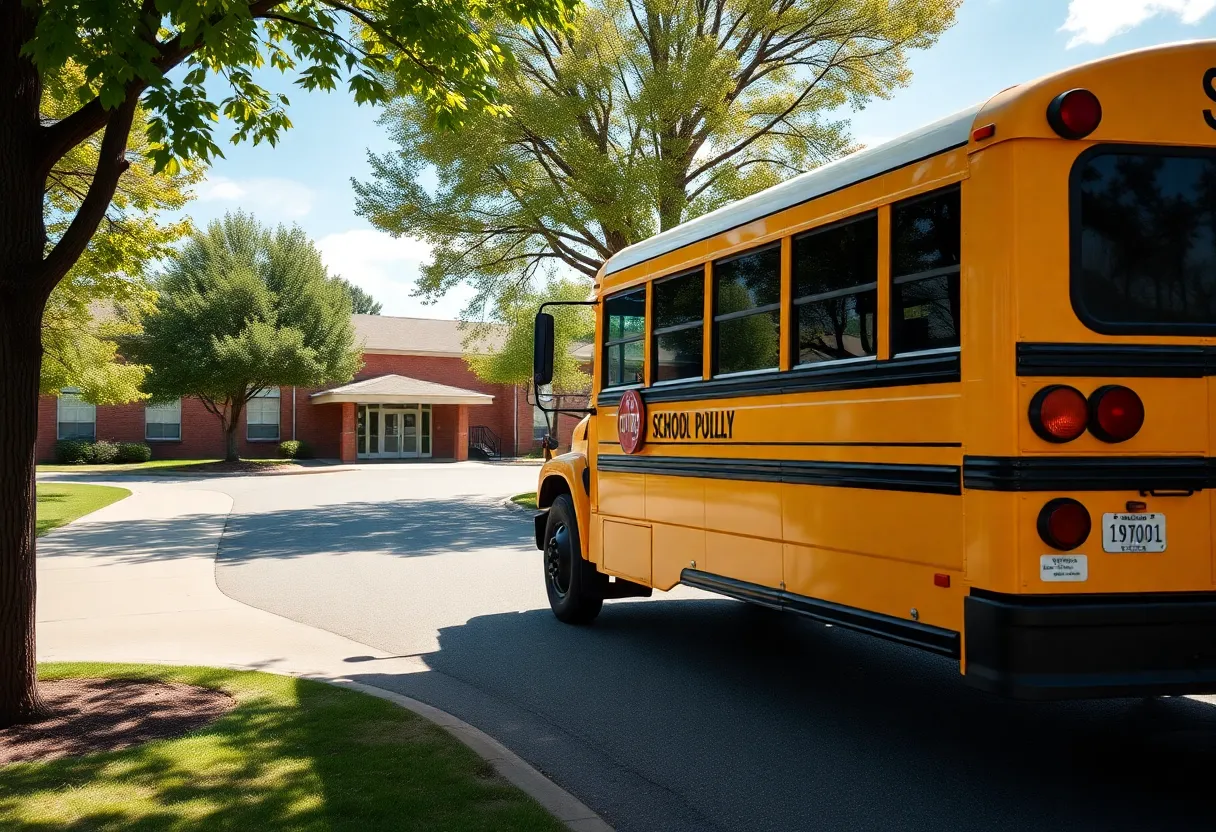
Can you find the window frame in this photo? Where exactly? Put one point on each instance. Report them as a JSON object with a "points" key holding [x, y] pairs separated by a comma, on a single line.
{"points": [[606, 345], [59, 437], [278, 423], [928, 274], [1091, 321], [797, 301], [767, 309], [148, 408], [695, 272]]}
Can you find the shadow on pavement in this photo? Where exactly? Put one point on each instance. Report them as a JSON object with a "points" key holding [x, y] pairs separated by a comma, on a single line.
{"points": [[706, 714]]}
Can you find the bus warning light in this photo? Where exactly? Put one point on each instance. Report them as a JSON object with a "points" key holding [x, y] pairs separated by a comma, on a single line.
{"points": [[1118, 413], [1059, 413], [985, 132], [941, 579], [1064, 524], [1074, 114]]}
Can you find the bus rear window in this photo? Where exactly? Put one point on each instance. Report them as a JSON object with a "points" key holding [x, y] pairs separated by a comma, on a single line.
{"points": [[1144, 240]]}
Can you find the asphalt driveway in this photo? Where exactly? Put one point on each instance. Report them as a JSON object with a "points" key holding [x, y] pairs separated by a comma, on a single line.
{"points": [[687, 712]]}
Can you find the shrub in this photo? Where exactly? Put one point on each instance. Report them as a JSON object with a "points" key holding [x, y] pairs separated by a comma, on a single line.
{"points": [[73, 452], [105, 452], [134, 452], [295, 449]]}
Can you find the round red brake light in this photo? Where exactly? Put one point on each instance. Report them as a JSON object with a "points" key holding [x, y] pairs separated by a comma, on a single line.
{"points": [[1059, 413], [1064, 524], [1075, 114], [1118, 413]]}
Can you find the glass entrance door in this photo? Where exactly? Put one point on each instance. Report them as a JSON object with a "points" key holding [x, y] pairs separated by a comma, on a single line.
{"points": [[392, 434], [392, 431]]}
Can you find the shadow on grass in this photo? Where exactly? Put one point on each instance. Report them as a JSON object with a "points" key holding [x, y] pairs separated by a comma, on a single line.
{"points": [[294, 755], [708, 714]]}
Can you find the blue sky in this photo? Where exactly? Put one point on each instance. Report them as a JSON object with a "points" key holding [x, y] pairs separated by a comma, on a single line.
{"points": [[994, 44]]}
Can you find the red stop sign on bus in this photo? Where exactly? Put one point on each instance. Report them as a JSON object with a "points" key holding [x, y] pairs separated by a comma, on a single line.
{"points": [[631, 421]]}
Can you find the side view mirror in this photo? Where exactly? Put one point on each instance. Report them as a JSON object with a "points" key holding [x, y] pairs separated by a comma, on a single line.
{"points": [[542, 350]]}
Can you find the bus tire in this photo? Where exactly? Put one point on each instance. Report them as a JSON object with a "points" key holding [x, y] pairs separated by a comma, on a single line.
{"points": [[572, 584]]}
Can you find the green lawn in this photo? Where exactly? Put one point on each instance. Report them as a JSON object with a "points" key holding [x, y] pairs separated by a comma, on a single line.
{"points": [[526, 500], [294, 755], [59, 503], [131, 466]]}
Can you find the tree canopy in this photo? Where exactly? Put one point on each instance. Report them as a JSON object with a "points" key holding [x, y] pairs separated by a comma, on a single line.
{"points": [[241, 309], [107, 289], [361, 302], [645, 114]]}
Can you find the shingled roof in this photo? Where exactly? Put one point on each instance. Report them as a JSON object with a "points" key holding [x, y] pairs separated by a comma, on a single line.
{"points": [[421, 336]]}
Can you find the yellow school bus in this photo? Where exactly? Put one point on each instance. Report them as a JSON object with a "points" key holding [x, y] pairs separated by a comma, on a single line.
{"points": [[956, 390]]}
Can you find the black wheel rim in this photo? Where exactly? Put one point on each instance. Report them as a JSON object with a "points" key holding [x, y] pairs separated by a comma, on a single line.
{"points": [[558, 560]]}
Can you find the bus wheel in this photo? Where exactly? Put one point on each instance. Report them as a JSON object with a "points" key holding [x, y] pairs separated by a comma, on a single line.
{"points": [[572, 583]]}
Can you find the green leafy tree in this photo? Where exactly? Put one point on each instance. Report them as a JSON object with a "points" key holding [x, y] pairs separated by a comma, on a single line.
{"points": [[242, 308], [161, 56], [647, 113], [361, 302], [81, 324], [515, 314]]}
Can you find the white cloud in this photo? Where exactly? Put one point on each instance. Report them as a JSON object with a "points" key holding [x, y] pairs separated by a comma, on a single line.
{"points": [[1097, 21], [270, 198], [387, 267]]}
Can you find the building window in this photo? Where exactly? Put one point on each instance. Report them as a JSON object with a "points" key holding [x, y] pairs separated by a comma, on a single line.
{"points": [[747, 311], [262, 415], [163, 420], [77, 418], [835, 285], [679, 324], [926, 242], [625, 328]]}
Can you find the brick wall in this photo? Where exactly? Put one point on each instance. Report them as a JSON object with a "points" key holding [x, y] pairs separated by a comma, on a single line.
{"points": [[318, 425]]}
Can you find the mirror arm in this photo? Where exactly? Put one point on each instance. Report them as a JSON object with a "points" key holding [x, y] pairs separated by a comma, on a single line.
{"points": [[536, 391]]}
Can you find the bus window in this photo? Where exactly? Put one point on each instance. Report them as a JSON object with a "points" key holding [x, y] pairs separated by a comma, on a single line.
{"points": [[625, 327], [679, 309], [836, 291], [1145, 237], [747, 311], [925, 244]]}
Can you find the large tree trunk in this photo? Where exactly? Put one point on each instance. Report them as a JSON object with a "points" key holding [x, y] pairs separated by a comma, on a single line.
{"points": [[230, 427], [22, 298]]}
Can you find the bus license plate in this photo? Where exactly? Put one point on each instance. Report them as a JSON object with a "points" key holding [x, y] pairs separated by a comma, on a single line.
{"points": [[1133, 532]]}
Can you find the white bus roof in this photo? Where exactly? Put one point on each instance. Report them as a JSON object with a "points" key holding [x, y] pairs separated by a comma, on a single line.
{"points": [[952, 131]]}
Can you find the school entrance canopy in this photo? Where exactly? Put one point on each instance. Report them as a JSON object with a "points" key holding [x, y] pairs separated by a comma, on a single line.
{"points": [[395, 417]]}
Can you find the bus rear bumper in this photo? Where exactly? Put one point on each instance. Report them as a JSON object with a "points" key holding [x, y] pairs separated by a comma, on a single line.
{"points": [[1090, 646]]}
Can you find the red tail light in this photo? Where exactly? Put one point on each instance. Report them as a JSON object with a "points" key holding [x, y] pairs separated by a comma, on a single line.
{"points": [[1059, 413], [1117, 413], [1064, 524], [1075, 114]]}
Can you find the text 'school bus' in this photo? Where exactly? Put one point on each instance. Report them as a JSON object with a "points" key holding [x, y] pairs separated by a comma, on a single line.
{"points": [[956, 390]]}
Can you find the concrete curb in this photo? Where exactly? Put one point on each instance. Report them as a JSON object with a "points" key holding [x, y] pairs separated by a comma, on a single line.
{"points": [[508, 503], [567, 808]]}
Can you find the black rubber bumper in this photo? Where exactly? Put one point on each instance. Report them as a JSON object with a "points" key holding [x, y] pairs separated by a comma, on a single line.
{"points": [[1090, 646]]}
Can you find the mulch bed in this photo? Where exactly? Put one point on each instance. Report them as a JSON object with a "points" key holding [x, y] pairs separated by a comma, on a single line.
{"points": [[233, 468], [91, 715]]}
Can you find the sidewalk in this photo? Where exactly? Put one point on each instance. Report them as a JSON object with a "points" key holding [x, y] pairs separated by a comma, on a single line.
{"points": [[135, 582]]}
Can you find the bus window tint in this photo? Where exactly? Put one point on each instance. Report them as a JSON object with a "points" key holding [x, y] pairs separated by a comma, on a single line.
{"points": [[835, 275], [679, 308], [925, 247], [625, 326], [747, 311], [1147, 240]]}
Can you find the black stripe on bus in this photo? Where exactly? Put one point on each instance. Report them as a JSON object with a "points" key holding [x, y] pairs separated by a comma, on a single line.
{"points": [[1079, 473], [1116, 360], [934, 639], [897, 372], [883, 476]]}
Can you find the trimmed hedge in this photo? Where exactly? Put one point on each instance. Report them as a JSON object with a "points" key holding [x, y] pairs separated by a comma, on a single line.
{"points": [[101, 452], [74, 452], [295, 449], [134, 452], [105, 452]]}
